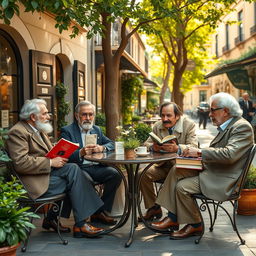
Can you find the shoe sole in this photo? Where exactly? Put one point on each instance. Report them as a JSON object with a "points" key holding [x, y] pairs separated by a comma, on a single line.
{"points": [[180, 238]]}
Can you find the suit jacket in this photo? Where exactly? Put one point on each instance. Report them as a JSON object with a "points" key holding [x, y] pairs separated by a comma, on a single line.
{"points": [[27, 150], [224, 160], [72, 133], [246, 110], [184, 130]]}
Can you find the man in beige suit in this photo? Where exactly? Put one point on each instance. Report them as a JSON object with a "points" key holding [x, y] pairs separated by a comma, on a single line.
{"points": [[173, 122], [27, 145], [223, 163]]}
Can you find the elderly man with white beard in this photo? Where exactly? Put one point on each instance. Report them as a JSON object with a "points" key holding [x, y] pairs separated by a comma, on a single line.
{"points": [[106, 175], [27, 145]]}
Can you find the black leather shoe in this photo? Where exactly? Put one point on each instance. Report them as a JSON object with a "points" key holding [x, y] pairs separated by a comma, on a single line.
{"points": [[53, 224], [103, 218], [151, 214], [87, 230]]}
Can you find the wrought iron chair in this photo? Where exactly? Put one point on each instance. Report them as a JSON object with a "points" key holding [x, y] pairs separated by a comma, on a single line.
{"points": [[36, 204], [206, 202]]}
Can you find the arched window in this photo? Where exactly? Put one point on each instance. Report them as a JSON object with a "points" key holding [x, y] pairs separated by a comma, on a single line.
{"points": [[11, 95]]}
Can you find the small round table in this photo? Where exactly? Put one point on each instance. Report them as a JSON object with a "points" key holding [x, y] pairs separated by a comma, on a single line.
{"points": [[131, 191]]}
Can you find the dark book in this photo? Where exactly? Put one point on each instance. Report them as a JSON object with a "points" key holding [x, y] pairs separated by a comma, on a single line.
{"points": [[166, 139], [63, 148]]}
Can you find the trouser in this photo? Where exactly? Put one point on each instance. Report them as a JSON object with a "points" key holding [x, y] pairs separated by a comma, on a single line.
{"points": [[109, 177], [175, 195], [81, 195], [154, 173]]}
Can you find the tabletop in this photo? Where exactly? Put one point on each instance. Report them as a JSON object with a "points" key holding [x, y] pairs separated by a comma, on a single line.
{"points": [[111, 157]]}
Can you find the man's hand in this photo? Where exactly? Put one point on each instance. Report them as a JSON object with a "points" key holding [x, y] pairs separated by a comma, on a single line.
{"points": [[191, 152], [170, 147], [98, 149], [58, 162]]}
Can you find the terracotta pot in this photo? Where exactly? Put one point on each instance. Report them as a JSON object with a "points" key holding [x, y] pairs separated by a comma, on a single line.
{"points": [[129, 153], [9, 250], [247, 202]]}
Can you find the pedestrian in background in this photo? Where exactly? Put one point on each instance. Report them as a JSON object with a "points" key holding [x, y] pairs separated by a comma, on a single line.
{"points": [[247, 107]]}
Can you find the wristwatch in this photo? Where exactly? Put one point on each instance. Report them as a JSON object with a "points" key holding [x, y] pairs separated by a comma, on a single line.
{"points": [[104, 149], [199, 152]]}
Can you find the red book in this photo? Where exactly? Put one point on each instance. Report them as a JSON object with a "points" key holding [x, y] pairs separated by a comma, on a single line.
{"points": [[63, 148]]}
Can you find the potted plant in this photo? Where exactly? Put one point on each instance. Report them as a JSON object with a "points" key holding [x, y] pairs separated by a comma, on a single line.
{"points": [[14, 221], [247, 201], [128, 136]]}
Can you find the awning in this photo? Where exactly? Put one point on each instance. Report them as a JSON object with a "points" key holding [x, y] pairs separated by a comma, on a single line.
{"points": [[237, 72]]}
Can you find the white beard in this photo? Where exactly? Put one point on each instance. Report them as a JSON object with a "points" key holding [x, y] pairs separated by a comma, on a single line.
{"points": [[87, 126], [44, 127]]}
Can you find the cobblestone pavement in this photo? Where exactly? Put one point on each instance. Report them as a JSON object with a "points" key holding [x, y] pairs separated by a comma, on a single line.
{"points": [[222, 241]]}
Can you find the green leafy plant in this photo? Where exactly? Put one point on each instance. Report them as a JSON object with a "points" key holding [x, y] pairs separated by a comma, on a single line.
{"points": [[100, 120], [3, 137], [142, 132], [63, 107], [136, 119], [128, 136], [14, 221], [250, 181]]}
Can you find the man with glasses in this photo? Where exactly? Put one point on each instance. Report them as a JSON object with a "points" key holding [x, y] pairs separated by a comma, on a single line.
{"points": [[223, 163], [106, 175]]}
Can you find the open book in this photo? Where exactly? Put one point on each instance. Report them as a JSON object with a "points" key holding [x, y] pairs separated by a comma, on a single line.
{"points": [[166, 139], [189, 163], [63, 148], [90, 139]]}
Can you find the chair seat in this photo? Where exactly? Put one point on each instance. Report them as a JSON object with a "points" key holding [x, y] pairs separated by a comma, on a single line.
{"points": [[43, 199]]}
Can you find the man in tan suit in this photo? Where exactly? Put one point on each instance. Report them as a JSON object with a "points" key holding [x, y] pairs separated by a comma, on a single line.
{"points": [[173, 122], [223, 163], [27, 145]]}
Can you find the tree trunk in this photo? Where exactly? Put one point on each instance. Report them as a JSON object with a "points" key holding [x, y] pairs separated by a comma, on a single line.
{"points": [[165, 82]]}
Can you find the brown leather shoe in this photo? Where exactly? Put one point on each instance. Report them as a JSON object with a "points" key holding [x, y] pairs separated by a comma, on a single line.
{"points": [[87, 230], [165, 224], [103, 218], [53, 224], [186, 231], [151, 214]]}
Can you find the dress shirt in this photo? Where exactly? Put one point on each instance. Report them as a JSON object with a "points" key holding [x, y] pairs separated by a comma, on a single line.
{"points": [[223, 126]]}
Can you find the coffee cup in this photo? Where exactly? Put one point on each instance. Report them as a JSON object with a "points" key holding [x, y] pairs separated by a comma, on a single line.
{"points": [[119, 147], [141, 150]]}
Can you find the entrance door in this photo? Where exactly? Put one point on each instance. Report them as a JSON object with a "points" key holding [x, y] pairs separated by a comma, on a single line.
{"points": [[43, 80]]}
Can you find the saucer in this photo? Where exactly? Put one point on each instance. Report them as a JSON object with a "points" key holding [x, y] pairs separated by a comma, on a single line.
{"points": [[143, 154]]}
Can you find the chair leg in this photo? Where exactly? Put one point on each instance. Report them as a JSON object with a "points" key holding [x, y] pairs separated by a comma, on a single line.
{"points": [[234, 223], [25, 243], [201, 216], [65, 242]]}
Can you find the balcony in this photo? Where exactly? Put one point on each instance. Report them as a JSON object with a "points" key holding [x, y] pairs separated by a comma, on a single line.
{"points": [[239, 39], [253, 30]]}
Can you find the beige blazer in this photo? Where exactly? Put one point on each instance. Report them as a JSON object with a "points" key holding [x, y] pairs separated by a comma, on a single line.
{"points": [[225, 159], [27, 150]]}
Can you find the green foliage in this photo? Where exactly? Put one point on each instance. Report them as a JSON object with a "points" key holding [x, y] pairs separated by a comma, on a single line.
{"points": [[136, 119], [250, 181], [100, 119], [131, 89], [128, 136], [142, 130], [63, 107], [14, 221], [3, 137]]}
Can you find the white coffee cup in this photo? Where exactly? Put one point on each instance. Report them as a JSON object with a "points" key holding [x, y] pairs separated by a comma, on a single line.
{"points": [[119, 147], [141, 150]]}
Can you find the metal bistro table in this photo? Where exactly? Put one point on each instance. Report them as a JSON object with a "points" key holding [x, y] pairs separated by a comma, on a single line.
{"points": [[132, 167]]}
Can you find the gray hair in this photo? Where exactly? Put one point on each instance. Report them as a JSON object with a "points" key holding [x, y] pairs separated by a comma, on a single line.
{"points": [[225, 100], [31, 107], [84, 103]]}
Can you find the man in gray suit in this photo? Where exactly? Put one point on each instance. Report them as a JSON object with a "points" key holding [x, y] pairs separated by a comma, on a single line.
{"points": [[223, 163], [27, 145]]}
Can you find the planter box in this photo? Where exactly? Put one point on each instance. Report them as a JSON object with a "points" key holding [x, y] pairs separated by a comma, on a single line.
{"points": [[247, 202]]}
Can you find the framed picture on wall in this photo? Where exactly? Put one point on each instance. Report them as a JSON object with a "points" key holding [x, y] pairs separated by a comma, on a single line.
{"points": [[81, 80], [44, 74]]}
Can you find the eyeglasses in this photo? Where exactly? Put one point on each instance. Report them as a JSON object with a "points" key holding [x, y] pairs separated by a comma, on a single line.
{"points": [[215, 109], [86, 114]]}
